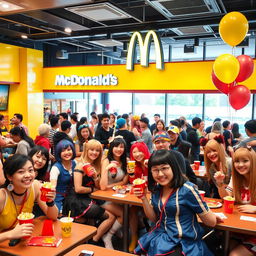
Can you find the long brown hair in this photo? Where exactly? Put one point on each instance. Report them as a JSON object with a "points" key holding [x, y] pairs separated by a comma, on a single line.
{"points": [[219, 148], [84, 157], [238, 179]]}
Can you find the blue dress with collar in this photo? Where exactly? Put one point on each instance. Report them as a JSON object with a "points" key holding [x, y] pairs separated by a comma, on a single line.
{"points": [[177, 224]]}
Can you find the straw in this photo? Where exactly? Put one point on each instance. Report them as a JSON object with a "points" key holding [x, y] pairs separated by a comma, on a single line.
{"points": [[69, 213]]}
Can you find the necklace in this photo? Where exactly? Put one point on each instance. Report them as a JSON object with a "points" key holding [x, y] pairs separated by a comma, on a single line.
{"points": [[23, 202], [19, 194]]}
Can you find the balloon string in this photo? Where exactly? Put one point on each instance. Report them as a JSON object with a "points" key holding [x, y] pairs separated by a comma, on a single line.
{"points": [[233, 50]]}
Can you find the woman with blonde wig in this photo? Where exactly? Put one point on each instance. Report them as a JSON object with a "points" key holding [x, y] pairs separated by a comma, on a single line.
{"points": [[217, 163], [78, 201], [242, 186]]}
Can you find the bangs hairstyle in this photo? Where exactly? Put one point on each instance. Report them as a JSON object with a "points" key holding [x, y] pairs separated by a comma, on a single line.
{"points": [[79, 135], [43, 151], [12, 164], [238, 179], [92, 144], [115, 143], [164, 156], [141, 147], [216, 146], [64, 144]]}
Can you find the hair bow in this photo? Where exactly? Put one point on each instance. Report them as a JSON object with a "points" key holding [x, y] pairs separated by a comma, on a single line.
{"points": [[219, 139]]}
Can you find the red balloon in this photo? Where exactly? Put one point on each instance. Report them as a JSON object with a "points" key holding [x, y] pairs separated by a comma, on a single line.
{"points": [[239, 96], [220, 85], [246, 67]]}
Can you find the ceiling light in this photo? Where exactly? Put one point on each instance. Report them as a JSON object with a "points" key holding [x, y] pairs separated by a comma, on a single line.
{"points": [[8, 7], [5, 5], [68, 30], [107, 42], [99, 12], [24, 36]]}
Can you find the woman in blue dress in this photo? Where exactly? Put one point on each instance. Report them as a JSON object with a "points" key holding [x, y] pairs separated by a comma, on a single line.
{"points": [[174, 207]]}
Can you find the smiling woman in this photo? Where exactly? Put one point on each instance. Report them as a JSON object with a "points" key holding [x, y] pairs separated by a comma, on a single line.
{"points": [[62, 170], [217, 163], [18, 194]]}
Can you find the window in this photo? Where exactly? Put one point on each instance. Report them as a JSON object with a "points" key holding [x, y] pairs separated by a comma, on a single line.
{"points": [[216, 48], [95, 103], [217, 105], [120, 103], [150, 104], [188, 105]]}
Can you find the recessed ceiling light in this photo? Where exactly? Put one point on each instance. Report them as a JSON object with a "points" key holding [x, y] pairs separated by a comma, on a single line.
{"points": [[7, 7], [4, 5], [24, 36], [68, 30]]}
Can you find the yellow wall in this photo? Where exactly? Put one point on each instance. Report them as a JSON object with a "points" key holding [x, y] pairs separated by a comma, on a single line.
{"points": [[24, 67], [175, 77]]}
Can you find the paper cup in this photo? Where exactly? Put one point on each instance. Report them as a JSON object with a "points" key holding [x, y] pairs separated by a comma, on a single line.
{"points": [[66, 226], [88, 169], [26, 221], [142, 185], [131, 167], [196, 165], [44, 192], [228, 205], [202, 193]]}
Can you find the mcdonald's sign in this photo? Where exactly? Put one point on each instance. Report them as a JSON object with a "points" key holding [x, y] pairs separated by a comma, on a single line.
{"points": [[144, 48]]}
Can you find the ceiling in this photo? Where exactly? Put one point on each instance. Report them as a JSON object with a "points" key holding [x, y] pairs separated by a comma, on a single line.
{"points": [[91, 21]]}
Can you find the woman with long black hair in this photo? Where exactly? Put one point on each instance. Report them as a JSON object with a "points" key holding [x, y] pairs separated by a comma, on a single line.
{"points": [[24, 142]]}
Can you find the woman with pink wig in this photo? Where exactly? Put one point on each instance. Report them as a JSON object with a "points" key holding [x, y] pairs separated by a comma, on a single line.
{"points": [[140, 154]]}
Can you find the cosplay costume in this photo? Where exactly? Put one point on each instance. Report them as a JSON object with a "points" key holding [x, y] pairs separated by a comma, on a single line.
{"points": [[9, 214], [81, 204], [248, 241], [177, 224]]}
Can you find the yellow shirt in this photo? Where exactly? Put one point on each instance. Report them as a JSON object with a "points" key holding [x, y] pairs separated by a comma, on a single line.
{"points": [[9, 213]]}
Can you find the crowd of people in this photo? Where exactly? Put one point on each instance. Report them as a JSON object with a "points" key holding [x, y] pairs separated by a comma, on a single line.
{"points": [[163, 155]]}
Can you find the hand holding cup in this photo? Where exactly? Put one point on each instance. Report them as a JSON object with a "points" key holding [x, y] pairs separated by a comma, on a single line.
{"points": [[139, 188], [26, 218], [112, 167], [48, 192]]}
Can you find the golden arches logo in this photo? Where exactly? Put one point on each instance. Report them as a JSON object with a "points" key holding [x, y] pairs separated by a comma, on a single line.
{"points": [[144, 48]]}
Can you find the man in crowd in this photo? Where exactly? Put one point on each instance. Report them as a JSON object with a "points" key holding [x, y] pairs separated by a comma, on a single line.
{"points": [[17, 121], [63, 135], [193, 138], [54, 121], [73, 133], [104, 133], [146, 135], [153, 126], [227, 133], [128, 136], [250, 129], [163, 141], [175, 139]]}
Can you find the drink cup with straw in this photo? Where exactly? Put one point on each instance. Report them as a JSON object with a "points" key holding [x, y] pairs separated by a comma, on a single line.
{"points": [[66, 225]]}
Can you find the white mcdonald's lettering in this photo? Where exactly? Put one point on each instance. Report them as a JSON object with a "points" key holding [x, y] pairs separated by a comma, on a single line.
{"points": [[144, 50]]}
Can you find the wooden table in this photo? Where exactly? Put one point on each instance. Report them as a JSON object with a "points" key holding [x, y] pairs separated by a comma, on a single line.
{"points": [[233, 223], [98, 251], [129, 199], [80, 234]]}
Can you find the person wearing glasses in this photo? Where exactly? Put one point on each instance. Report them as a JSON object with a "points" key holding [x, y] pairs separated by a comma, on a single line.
{"points": [[84, 134], [173, 208]]}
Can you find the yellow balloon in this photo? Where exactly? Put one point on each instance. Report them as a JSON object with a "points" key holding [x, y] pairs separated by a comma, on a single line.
{"points": [[233, 28], [226, 67]]}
